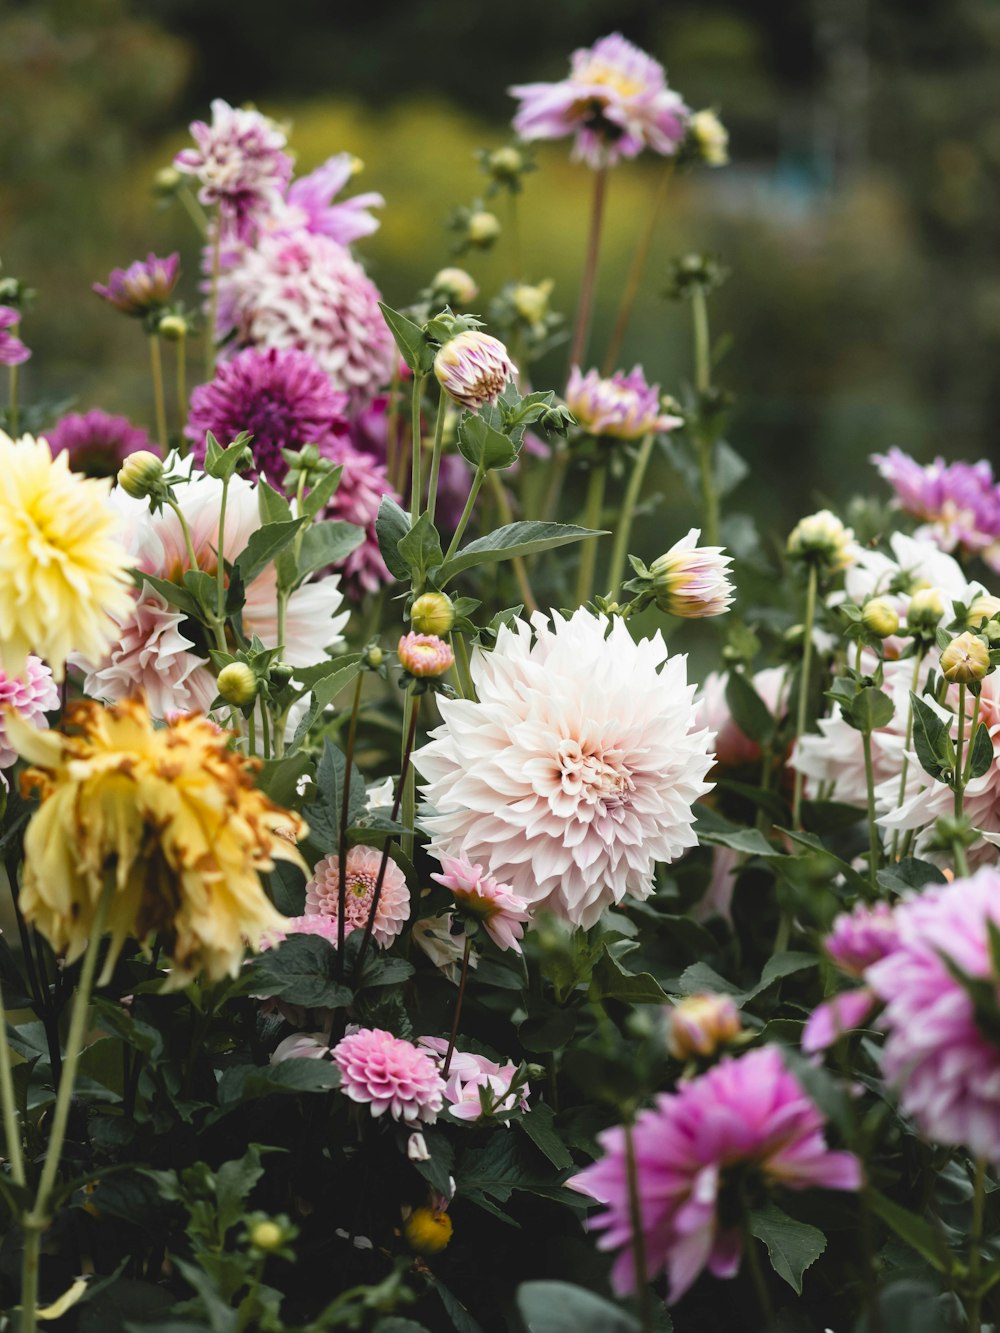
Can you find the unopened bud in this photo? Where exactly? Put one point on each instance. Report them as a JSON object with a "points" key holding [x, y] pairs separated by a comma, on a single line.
{"points": [[925, 610], [166, 180], [141, 475], [237, 684], [432, 613], [173, 328], [455, 286], [821, 539], [880, 617], [532, 302], [427, 1230], [374, 656], [711, 138], [983, 607], [700, 1024], [483, 228], [505, 163], [267, 1236], [965, 659], [425, 655], [473, 368]]}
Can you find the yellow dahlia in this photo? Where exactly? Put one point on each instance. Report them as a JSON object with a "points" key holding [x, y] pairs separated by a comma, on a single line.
{"points": [[172, 815], [63, 571]]}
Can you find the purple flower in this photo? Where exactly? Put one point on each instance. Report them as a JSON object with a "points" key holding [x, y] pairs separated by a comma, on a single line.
{"points": [[747, 1118], [96, 442], [280, 396], [857, 941], [144, 286], [624, 407], [959, 502], [615, 100], [310, 202], [12, 350], [240, 164]]}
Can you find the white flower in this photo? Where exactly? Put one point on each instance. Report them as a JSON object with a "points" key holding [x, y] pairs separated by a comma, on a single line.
{"points": [[577, 770]]}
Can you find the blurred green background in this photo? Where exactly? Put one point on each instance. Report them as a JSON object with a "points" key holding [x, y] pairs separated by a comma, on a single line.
{"points": [[860, 216]]}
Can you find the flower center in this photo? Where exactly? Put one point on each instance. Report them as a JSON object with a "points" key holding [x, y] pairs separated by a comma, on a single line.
{"points": [[594, 776]]}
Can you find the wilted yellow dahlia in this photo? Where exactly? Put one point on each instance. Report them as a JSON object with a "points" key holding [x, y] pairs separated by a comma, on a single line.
{"points": [[171, 815], [63, 571]]}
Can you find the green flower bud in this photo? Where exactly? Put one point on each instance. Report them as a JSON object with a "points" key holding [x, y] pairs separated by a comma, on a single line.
{"points": [[965, 659], [374, 656], [237, 684], [505, 163], [173, 328], [267, 1236], [880, 617], [141, 475], [483, 228], [925, 610], [432, 613]]}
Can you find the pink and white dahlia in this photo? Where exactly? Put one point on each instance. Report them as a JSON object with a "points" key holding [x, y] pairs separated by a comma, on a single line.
{"points": [[857, 941], [615, 101], [502, 913], [474, 368], [744, 1117], [145, 285], [96, 442], [623, 407], [322, 894], [944, 1063], [576, 771], [691, 581], [13, 352], [306, 291], [476, 1086], [424, 655], [732, 746], [389, 1074], [31, 695], [309, 204], [959, 502], [240, 163]]}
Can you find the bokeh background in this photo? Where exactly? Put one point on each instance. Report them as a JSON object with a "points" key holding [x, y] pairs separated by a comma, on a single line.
{"points": [[860, 216]]}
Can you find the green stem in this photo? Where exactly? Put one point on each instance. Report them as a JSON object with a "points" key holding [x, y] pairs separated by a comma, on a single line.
{"points": [[582, 328], [624, 530], [800, 725], [514, 232], [458, 1007], [474, 489], [873, 840], [392, 426], [757, 1276], [159, 403], [11, 1129], [703, 384], [407, 789], [904, 767], [182, 403], [972, 737], [352, 731], [702, 342], [638, 265], [193, 209], [213, 300], [220, 562], [959, 747], [638, 1234], [265, 733], [558, 465], [418, 387], [974, 1303], [591, 519], [517, 563], [432, 485]]}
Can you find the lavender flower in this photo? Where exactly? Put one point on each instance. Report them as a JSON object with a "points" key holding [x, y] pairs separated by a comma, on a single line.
{"points": [[144, 286], [12, 350], [959, 502], [309, 202], [97, 442], [624, 407]]}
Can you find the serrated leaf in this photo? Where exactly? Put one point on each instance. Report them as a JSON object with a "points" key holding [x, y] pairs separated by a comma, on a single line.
{"points": [[391, 526], [327, 543], [750, 713], [265, 545], [272, 506], [312, 675], [791, 1246], [243, 1083], [869, 709], [916, 1231], [300, 971], [611, 981], [522, 538], [539, 1125], [420, 550]]}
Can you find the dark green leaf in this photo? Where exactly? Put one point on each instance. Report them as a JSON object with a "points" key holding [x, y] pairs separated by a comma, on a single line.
{"points": [[312, 675], [981, 758], [265, 545], [750, 713], [172, 593], [391, 526], [327, 543], [413, 346], [792, 1246], [869, 709], [272, 505], [483, 446], [420, 550], [611, 981], [916, 1231], [301, 970], [515, 539], [322, 492], [930, 738], [558, 1307], [278, 778], [324, 816], [539, 1125], [244, 1083]]}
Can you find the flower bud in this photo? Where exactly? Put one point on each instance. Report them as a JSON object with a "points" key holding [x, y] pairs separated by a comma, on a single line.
{"points": [[505, 163], [821, 539], [427, 1230], [425, 655], [473, 368], [710, 137], [267, 1236], [532, 302], [880, 617], [432, 613], [416, 1148], [482, 228], [925, 610], [965, 659], [454, 286], [173, 328], [374, 656], [141, 475], [983, 607], [700, 1024], [237, 684], [690, 581], [166, 181]]}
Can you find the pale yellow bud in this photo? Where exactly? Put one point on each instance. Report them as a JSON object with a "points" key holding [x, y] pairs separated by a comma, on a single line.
{"points": [[965, 659], [822, 539], [532, 302], [483, 228], [711, 137], [141, 474], [172, 327], [455, 286], [880, 617], [267, 1236], [432, 613], [983, 607], [925, 610], [506, 162], [237, 684]]}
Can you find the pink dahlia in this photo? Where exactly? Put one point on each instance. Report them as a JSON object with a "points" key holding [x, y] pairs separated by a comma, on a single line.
{"points": [[692, 581], [474, 368], [279, 395], [502, 913], [615, 101], [31, 696], [362, 875], [240, 163], [96, 442], [12, 350], [144, 286], [306, 291], [959, 502], [389, 1074], [623, 407], [363, 482], [309, 203], [945, 1064], [576, 770], [424, 655], [477, 1086], [745, 1117], [857, 941]]}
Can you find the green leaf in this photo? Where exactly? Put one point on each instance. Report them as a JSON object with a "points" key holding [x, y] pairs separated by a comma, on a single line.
{"points": [[272, 505], [559, 1307], [410, 338], [611, 981], [916, 1231], [302, 970], [750, 713], [749, 841], [420, 550], [981, 760], [483, 446], [538, 1124], [729, 468], [312, 675], [172, 593], [278, 778], [391, 526], [265, 545], [913, 1306], [930, 738], [791, 1246], [327, 543], [515, 539], [869, 709], [324, 816], [909, 873], [222, 463], [244, 1083], [324, 691], [322, 492]]}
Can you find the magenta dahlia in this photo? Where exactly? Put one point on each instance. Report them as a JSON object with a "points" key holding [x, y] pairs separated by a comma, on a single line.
{"points": [[13, 352], [363, 482], [389, 1074], [97, 442]]}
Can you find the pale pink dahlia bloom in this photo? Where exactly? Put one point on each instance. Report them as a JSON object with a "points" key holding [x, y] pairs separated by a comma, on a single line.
{"points": [[502, 913], [474, 368], [389, 1074], [474, 1080], [31, 695], [744, 1116], [13, 351], [240, 163], [306, 291], [691, 581], [732, 746], [615, 101], [362, 874], [945, 1066], [576, 771], [623, 407]]}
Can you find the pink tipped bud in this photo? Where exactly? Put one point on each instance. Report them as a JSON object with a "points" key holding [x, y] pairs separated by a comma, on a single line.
{"points": [[473, 368], [425, 654], [701, 1024]]}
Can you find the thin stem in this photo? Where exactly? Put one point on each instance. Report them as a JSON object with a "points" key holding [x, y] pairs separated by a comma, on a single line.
{"points": [[591, 518], [182, 403], [458, 1006], [418, 387], [638, 1234], [517, 563], [904, 767], [800, 724], [462, 670], [703, 384], [213, 300], [582, 328], [757, 1277], [959, 747], [702, 342], [159, 402], [407, 785], [11, 1129], [220, 563], [873, 839], [967, 772], [514, 232], [392, 424], [558, 465], [634, 278], [974, 1303], [193, 209], [352, 731], [474, 489], [432, 485], [624, 530], [265, 732]]}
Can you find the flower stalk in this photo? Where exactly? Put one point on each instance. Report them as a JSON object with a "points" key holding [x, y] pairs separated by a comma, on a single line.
{"points": [[466, 955], [591, 519], [581, 330], [159, 402], [623, 530], [803, 703]]}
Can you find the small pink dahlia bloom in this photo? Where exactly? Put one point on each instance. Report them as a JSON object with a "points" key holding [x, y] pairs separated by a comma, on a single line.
{"points": [[691, 581], [946, 1067], [959, 502], [575, 770], [31, 696], [424, 655], [623, 407], [474, 1079], [240, 163], [13, 352], [309, 203], [474, 368], [144, 286], [389, 1074], [96, 442], [746, 1115], [502, 913], [615, 101], [306, 291], [857, 941], [362, 874]]}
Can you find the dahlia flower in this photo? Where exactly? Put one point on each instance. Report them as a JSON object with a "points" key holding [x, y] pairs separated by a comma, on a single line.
{"points": [[316, 924], [749, 1117], [700, 1024], [691, 581], [63, 571], [732, 746], [424, 655], [363, 482], [474, 368], [576, 770], [13, 352], [280, 396], [309, 203], [171, 815], [502, 913], [473, 1079], [944, 1063], [240, 164], [959, 502], [31, 697], [615, 101], [97, 443], [389, 1074], [361, 877], [857, 941], [144, 286], [306, 291], [823, 540], [623, 407]]}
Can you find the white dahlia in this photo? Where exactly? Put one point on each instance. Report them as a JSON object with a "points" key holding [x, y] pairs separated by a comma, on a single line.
{"points": [[576, 771]]}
